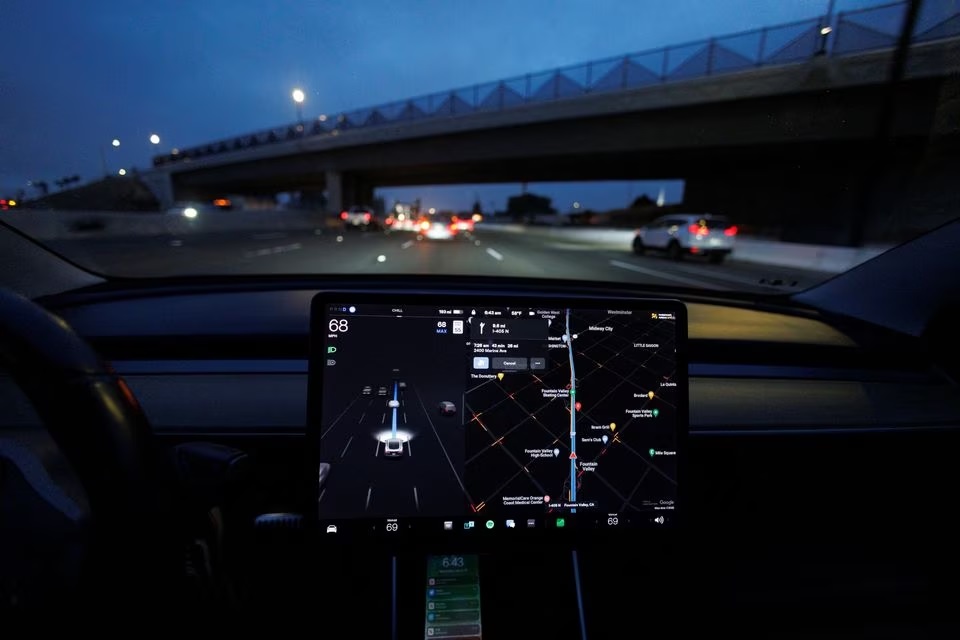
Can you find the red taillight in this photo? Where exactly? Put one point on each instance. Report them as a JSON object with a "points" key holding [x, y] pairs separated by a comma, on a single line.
{"points": [[698, 230], [389, 221], [730, 231], [343, 215], [366, 217]]}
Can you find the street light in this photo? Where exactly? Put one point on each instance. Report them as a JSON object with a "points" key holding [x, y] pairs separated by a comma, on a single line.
{"points": [[154, 138], [122, 172], [103, 155], [576, 205], [298, 97]]}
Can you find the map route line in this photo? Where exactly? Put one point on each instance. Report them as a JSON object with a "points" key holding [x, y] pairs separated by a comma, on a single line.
{"points": [[446, 455]]}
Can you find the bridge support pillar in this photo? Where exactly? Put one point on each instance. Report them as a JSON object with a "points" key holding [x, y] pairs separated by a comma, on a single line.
{"points": [[335, 203], [346, 190], [160, 184]]}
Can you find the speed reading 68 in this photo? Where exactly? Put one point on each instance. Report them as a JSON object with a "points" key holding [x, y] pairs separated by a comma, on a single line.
{"points": [[341, 326]]}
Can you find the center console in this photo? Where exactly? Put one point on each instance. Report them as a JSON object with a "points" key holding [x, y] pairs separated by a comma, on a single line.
{"points": [[461, 435]]}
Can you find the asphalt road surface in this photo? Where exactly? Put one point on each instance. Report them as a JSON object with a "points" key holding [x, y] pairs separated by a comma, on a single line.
{"points": [[488, 253]]}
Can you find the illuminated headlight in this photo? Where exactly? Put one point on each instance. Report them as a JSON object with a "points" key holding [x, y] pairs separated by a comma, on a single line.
{"points": [[190, 212]]}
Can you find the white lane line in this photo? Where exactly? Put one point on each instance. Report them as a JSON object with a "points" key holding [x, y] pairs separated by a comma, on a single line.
{"points": [[496, 255], [376, 452], [361, 417], [344, 452], [383, 419], [322, 493], [416, 498], [270, 235], [700, 283], [270, 251], [407, 244], [409, 450], [369, 491], [404, 417]]}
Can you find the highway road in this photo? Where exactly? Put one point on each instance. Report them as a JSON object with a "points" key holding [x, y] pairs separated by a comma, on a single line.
{"points": [[485, 252]]}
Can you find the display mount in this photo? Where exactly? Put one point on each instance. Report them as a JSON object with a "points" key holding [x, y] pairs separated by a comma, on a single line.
{"points": [[469, 418]]}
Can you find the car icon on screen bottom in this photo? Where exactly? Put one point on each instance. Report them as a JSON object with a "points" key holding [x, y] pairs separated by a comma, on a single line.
{"points": [[393, 447], [331, 528]]}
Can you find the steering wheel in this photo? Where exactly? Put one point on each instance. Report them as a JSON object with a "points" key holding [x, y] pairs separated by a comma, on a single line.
{"points": [[100, 429]]}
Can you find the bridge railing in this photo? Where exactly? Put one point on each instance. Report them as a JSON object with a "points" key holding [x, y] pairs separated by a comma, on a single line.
{"points": [[846, 33]]}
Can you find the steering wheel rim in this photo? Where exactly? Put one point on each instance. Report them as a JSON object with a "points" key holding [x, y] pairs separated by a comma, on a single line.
{"points": [[96, 423]]}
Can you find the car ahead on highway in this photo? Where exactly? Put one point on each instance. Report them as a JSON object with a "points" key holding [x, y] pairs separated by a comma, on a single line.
{"points": [[393, 447], [358, 217], [687, 234], [443, 226]]}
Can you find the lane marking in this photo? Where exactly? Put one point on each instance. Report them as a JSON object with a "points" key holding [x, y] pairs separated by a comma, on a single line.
{"points": [[383, 419], [334, 423], [409, 450], [496, 255], [344, 452], [666, 276], [376, 452], [270, 235], [407, 244], [369, 491], [416, 498], [443, 448], [270, 251], [322, 493]]}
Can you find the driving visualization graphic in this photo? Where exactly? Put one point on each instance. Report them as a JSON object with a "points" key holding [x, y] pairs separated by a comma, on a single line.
{"points": [[506, 417]]}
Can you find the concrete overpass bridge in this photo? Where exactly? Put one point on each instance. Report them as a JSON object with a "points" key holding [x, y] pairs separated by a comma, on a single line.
{"points": [[769, 120]]}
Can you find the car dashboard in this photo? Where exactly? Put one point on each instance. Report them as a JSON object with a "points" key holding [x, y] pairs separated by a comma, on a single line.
{"points": [[820, 465]]}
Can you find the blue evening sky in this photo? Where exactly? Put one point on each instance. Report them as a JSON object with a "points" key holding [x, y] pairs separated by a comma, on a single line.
{"points": [[75, 75]]}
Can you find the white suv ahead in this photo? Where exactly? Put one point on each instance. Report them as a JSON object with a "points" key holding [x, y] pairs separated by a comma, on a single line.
{"points": [[687, 234]]}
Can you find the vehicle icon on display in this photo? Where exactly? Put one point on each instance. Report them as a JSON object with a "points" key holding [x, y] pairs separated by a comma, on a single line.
{"points": [[447, 408], [393, 447]]}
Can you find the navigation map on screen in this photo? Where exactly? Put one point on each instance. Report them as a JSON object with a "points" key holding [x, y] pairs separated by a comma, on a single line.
{"points": [[494, 417]]}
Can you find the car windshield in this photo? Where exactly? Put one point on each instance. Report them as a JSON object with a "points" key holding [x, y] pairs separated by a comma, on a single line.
{"points": [[745, 145]]}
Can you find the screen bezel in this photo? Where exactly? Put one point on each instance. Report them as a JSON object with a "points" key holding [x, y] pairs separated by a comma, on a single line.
{"points": [[540, 535]]}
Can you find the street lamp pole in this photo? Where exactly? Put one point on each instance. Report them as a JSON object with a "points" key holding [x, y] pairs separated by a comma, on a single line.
{"points": [[826, 27], [298, 97]]}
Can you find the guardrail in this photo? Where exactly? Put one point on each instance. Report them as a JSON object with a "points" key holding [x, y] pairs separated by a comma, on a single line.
{"points": [[796, 42]]}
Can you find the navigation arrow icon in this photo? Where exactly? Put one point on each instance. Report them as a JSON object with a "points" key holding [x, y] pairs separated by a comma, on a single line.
{"points": [[573, 455]]}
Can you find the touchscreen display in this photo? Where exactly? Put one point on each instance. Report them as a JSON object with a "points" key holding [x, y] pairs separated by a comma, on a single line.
{"points": [[471, 418]]}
